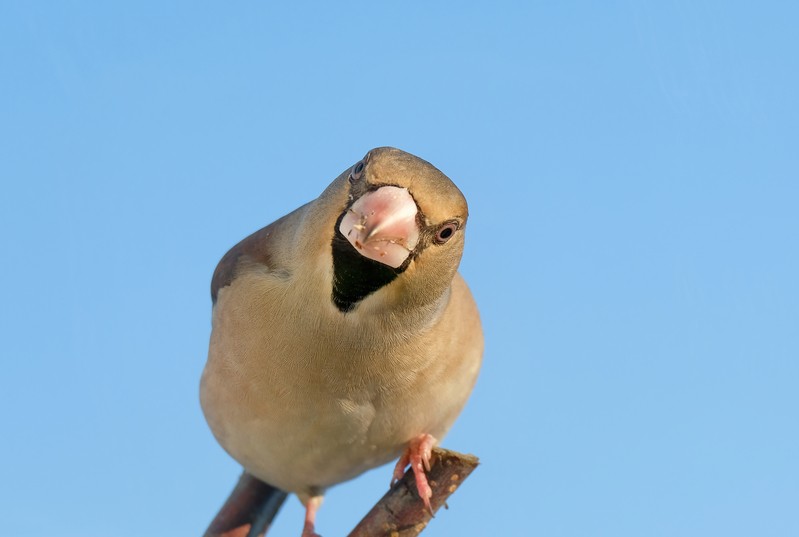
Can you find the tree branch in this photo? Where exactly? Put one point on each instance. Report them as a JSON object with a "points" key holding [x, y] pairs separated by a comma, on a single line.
{"points": [[401, 513]]}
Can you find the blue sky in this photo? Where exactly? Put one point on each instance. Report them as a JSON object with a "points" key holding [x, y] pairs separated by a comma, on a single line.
{"points": [[633, 178]]}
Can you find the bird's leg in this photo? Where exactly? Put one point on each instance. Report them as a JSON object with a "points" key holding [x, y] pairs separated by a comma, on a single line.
{"points": [[310, 516], [418, 454]]}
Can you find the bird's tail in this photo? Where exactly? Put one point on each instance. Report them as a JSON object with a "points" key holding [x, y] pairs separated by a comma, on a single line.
{"points": [[248, 511]]}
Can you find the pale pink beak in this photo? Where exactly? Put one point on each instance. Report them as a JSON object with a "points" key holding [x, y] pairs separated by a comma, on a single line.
{"points": [[382, 225]]}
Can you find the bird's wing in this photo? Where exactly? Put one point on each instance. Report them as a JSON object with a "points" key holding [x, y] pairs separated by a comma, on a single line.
{"points": [[261, 248]]}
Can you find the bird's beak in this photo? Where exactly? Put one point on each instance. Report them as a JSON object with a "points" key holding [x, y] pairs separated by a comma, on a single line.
{"points": [[381, 225]]}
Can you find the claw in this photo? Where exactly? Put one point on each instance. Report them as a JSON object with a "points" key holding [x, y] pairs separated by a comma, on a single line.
{"points": [[399, 469], [418, 454]]}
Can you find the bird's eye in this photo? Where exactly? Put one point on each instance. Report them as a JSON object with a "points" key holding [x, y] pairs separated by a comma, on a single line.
{"points": [[356, 171], [445, 232]]}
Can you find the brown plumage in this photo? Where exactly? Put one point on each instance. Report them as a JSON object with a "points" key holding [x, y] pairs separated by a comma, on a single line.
{"points": [[324, 363]]}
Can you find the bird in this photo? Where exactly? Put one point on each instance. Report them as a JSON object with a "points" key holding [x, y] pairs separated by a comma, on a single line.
{"points": [[343, 337]]}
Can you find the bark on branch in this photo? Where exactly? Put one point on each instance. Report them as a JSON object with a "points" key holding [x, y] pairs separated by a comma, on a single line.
{"points": [[401, 513]]}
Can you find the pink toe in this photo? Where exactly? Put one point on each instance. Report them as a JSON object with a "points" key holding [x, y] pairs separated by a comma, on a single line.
{"points": [[418, 454]]}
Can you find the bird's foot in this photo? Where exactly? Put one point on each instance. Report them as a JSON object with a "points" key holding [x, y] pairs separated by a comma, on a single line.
{"points": [[308, 531], [418, 454], [310, 516]]}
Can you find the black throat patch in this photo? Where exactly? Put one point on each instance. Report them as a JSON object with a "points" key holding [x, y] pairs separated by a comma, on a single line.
{"points": [[356, 276]]}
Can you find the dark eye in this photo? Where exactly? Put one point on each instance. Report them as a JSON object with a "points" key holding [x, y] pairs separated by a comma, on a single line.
{"points": [[445, 232], [356, 171]]}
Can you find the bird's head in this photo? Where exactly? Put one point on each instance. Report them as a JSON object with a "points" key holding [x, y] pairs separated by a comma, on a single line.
{"points": [[401, 229]]}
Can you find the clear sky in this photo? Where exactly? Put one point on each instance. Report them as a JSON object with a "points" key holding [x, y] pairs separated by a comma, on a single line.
{"points": [[632, 170]]}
